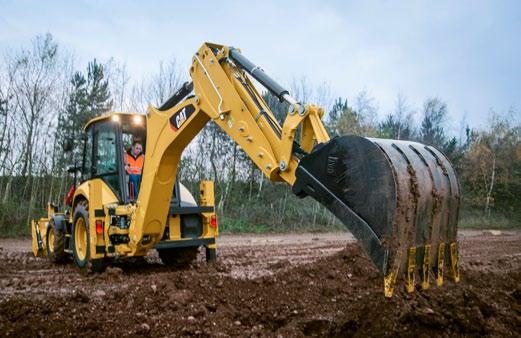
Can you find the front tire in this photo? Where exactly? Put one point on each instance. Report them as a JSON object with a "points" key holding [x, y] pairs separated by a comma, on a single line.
{"points": [[55, 243], [80, 239]]}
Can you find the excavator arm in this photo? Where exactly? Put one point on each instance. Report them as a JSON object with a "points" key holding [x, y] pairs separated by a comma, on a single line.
{"points": [[400, 199]]}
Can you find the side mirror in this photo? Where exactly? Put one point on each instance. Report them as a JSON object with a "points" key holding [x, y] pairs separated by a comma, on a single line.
{"points": [[67, 146]]}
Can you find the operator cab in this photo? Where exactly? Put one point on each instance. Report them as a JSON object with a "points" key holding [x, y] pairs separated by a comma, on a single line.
{"points": [[107, 140]]}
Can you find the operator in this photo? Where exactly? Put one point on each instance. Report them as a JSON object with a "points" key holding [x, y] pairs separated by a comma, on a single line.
{"points": [[134, 167]]}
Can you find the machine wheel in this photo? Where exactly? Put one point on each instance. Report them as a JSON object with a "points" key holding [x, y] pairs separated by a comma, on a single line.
{"points": [[80, 240], [178, 256], [55, 243]]}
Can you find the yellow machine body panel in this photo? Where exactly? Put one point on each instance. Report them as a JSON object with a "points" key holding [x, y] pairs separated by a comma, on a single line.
{"points": [[39, 231]]}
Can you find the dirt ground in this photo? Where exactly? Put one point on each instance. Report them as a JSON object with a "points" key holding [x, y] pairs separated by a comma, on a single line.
{"points": [[269, 285]]}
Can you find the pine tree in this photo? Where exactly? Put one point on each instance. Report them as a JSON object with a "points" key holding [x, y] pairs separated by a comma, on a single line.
{"points": [[431, 130], [339, 106], [89, 97]]}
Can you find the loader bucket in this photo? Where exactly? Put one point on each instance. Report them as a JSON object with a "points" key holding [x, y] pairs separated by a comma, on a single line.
{"points": [[400, 200]]}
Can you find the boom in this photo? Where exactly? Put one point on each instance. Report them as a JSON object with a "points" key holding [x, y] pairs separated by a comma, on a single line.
{"points": [[400, 199], [225, 95]]}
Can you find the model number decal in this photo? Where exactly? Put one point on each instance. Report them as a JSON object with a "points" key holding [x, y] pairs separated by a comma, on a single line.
{"points": [[179, 118]]}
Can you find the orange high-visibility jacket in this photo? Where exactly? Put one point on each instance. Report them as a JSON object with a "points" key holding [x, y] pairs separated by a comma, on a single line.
{"points": [[135, 164]]}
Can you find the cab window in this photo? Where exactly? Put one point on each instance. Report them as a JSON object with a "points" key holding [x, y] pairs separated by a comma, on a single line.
{"points": [[105, 156]]}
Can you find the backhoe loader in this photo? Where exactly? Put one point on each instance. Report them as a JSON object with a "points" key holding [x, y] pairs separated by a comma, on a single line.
{"points": [[400, 199]]}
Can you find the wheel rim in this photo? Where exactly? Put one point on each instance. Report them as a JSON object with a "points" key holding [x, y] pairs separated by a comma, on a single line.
{"points": [[80, 238], [51, 239]]}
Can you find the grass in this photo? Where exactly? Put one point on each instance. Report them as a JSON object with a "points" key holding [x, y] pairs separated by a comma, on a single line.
{"points": [[233, 225], [480, 220], [15, 230], [241, 226], [470, 219], [13, 219]]}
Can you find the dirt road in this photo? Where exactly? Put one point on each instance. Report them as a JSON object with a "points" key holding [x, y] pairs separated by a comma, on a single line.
{"points": [[269, 285]]}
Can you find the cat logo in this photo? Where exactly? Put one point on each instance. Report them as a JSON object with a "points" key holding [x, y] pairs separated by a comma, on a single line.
{"points": [[178, 119]]}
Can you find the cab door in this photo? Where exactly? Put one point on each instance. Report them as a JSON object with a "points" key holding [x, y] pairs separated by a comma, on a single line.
{"points": [[107, 159]]}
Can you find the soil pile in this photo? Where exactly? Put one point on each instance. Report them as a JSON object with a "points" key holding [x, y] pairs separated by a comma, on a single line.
{"points": [[332, 295]]}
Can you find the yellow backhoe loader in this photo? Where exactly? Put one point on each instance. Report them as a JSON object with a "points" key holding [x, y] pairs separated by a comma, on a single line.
{"points": [[399, 199]]}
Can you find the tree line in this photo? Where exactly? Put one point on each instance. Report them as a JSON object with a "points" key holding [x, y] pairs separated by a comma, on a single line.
{"points": [[46, 99]]}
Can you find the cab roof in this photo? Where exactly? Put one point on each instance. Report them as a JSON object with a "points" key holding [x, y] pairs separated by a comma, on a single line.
{"points": [[107, 116]]}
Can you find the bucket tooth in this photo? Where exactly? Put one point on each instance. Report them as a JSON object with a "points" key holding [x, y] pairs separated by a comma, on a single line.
{"points": [[411, 267], [454, 262], [440, 265], [426, 266], [390, 281]]}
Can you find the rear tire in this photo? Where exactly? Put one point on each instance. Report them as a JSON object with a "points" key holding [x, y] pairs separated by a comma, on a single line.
{"points": [[80, 240], [178, 256], [55, 243]]}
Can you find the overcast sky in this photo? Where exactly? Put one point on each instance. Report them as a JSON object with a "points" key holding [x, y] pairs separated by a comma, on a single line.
{"points": [[466, 52]]}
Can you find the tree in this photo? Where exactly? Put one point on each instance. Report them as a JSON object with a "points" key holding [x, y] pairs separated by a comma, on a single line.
{"points": [[117, 76], [98, 94], [398, 124], [5, 112], [89, 97], [352, 121], [366, 108], [279, 109], [431, 129], [491, 168], [160, 86], [33, 74], [334, 114], [35, 78]]}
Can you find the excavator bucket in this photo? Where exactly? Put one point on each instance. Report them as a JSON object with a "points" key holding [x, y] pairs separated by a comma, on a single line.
{"points": [[400, 200]]}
